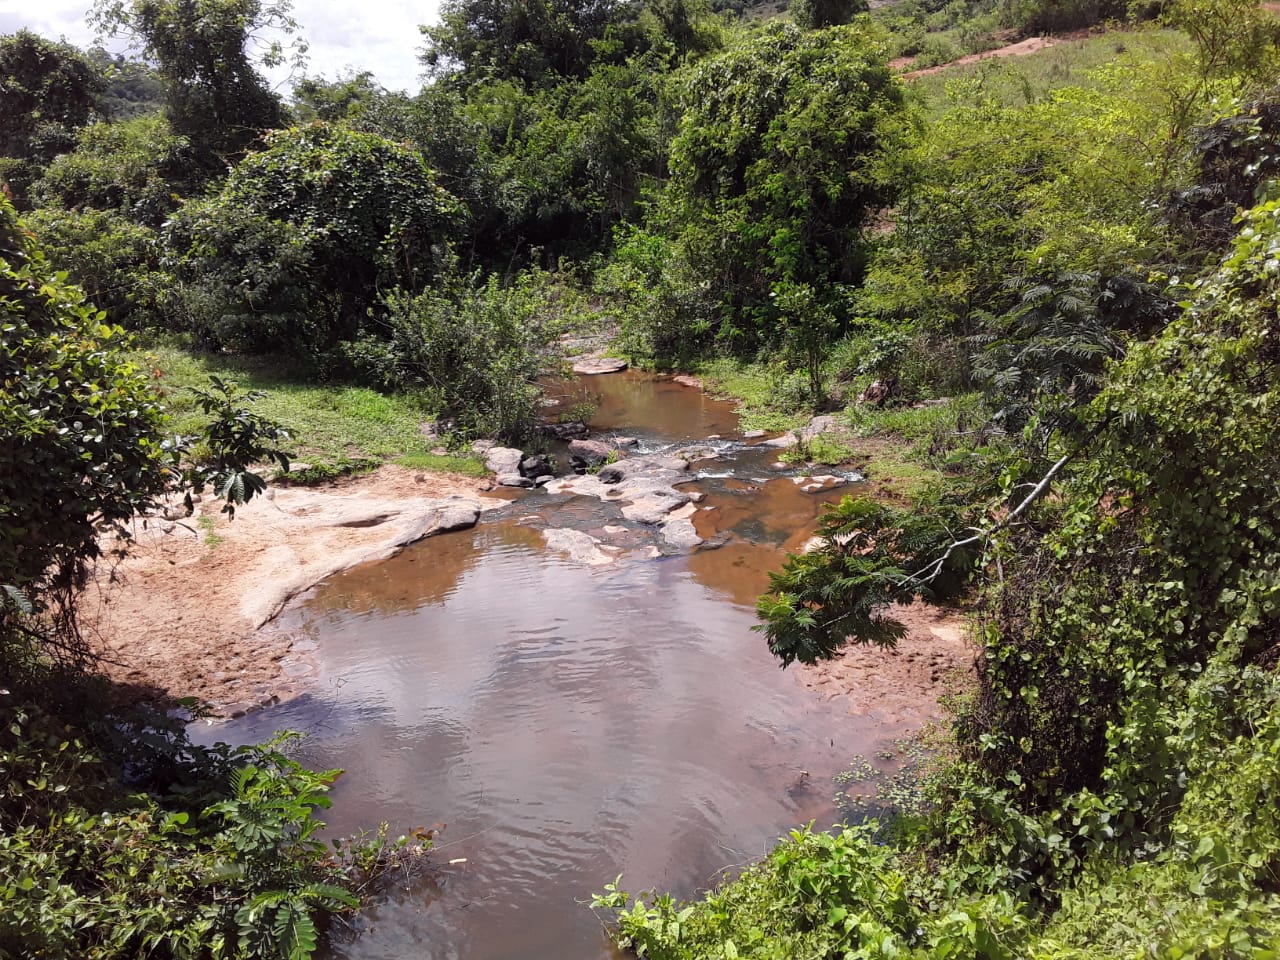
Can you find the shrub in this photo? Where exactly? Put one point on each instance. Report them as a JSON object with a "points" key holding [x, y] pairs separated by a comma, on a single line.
{"points": [[292, 252], [85, 448], [475, 350]]}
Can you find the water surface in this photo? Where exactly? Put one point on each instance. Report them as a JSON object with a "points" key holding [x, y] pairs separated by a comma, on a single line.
{"points": [[569, 723]]}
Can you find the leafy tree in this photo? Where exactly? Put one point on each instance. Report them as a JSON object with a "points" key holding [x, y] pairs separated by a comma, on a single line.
{"points": [[528, 41], [783, 149], [83, 446], [213, 94], [138, 167], [131, 88], [816, 14], [115, 261], [49, 90], [347, 98], [293, 250]]}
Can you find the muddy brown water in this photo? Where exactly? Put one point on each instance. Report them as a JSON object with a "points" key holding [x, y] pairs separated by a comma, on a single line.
{"points": [[568, 723]]}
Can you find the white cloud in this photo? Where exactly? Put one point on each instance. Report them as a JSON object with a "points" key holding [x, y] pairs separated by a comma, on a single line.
{"points": [[380, 36]]}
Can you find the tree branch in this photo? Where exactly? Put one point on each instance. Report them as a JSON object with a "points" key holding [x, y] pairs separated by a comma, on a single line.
{"points": [[929, 572]]}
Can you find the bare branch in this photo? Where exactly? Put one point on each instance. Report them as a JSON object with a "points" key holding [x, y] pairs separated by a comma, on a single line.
{"points": [[929, 572]]}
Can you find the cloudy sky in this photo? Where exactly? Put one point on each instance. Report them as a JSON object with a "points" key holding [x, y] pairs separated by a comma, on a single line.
{"points": [[376, 35]]}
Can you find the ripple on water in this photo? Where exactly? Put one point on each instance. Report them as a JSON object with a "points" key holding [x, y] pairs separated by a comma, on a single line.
{"points": [[569, 723]]}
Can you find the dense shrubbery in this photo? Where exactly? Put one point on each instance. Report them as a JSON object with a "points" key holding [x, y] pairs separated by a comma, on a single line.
{"points": [[291, 253], [83, 430], [117, 837], [1127, 721], [473, 350]]}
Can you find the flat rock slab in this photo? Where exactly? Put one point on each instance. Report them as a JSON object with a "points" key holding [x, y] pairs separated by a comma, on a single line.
{"points": [[590, 366], [678, 529], [308, 553], [578, 546], [645, 486]]}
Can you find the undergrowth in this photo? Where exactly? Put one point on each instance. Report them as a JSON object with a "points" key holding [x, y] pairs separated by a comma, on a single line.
{"points": [[125, 840]]}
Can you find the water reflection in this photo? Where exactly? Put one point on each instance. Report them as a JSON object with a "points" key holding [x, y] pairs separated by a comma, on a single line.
{"points": [[570, 723]]}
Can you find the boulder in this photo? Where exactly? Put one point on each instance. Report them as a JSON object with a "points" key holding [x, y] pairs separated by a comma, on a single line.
{"points": [[573, 430], [513, 480], [590, 452], [503, 459], [538, 465], [591, 366]]}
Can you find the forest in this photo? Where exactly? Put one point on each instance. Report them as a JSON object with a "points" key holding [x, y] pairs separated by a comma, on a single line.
{"points": [[1044, 289]]}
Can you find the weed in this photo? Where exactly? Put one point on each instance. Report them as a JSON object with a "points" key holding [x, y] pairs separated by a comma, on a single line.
{"points": [[212, 540]]}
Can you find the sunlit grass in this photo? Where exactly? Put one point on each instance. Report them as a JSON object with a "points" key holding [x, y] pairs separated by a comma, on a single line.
{"points": [[328, 422]]}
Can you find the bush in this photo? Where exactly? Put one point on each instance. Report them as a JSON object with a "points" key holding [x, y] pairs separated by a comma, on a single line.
{"points": [[85, 446], [292, 252], [114, 260], [225, 862], [475, 350]]}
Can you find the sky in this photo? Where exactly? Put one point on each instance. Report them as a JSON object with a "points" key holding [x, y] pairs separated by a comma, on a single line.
{"points": [[380, 36]]}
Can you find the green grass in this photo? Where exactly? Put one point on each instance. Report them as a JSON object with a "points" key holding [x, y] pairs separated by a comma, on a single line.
{"points": [[444, 463], [211, 539], [761, 404], [331, 424], [1017, 81]]}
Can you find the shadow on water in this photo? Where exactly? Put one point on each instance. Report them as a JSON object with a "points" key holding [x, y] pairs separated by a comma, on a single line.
{"points": [[570, 723]]}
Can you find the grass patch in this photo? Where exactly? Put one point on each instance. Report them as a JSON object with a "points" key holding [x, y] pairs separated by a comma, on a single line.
{"points": [[212, 540], [444, 463], [824, 448], [322, 472], [763, 401], [1018, 81], [336, 428]]}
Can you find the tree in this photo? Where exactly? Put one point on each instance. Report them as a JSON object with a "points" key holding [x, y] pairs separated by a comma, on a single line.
{"points": [[782, 152], [82, 425], [213, 94], [346, 98], [49, 90], [529, 41], [815, 14], [292, 252]]}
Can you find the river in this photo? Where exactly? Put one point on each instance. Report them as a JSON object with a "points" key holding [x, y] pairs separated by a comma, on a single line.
{"points": [[569, 722]]}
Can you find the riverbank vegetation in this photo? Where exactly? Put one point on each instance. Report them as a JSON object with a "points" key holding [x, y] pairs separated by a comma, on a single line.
{"points": [[1050, 282]]}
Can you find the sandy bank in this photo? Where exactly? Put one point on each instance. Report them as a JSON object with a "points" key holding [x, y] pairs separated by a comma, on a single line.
{"points": [[190, 611], [901, 686]]}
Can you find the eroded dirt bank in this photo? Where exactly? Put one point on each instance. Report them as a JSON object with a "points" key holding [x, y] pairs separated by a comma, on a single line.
{"points": [[901, 686], [190, 611]]}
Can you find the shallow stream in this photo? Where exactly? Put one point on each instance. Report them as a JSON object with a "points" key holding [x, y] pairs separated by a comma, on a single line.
{"points": [[569, 722]]}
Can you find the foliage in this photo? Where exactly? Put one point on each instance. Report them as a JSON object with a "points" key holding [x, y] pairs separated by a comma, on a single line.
{"points": [[816, 14], [292, 251], [346, 98], [138, 167], [213, 95], [85, 447], [236, 439], [1108, 796], [473, 350], [783, 148], [223, 863], [49, 91], [870, 556], [113, 260], [525, 42]]}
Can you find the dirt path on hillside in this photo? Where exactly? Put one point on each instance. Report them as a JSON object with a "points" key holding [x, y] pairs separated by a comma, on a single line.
{"points": [[190, 612]]}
